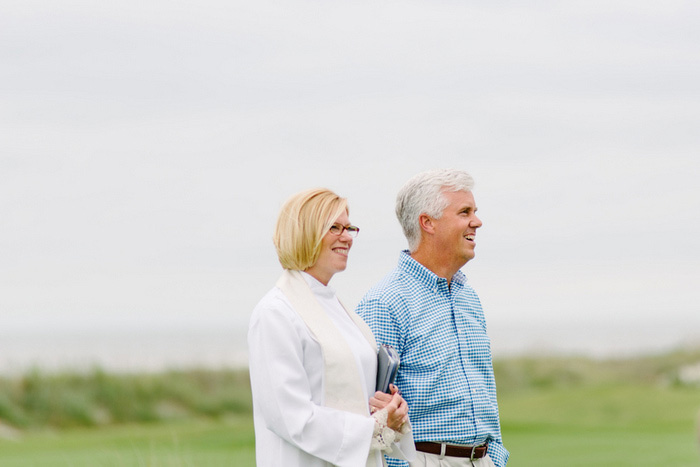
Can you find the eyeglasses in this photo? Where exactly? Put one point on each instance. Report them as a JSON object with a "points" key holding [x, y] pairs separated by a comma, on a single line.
{"points": [[338, 229]]}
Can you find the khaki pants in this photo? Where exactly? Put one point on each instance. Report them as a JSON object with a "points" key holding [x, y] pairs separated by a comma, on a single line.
{"points": [[423, 459]]}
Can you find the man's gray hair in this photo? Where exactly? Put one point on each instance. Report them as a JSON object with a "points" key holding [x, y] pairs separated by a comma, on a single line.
{"points": [[423, 194]]}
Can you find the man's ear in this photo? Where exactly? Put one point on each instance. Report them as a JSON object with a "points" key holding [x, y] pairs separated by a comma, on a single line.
{"points": [[426, 223]]}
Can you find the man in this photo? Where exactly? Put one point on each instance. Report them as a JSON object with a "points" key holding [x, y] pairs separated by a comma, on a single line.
{"points": [[425, 309]]}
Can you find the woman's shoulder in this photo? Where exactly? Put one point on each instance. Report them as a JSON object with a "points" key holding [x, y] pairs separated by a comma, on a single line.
{"points": [[274, 299], [274, 305], [274, 315]]}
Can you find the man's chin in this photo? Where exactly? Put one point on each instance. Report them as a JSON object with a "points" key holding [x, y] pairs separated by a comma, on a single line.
{"points": [[469, 257]]}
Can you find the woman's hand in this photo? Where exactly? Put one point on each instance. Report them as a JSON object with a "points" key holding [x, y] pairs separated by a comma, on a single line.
{"points": [[399, 416], [381, 399], [396, 406]]}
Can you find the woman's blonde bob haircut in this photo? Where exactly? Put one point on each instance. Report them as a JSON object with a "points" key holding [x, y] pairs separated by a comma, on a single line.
{"points": [[304, 220]]}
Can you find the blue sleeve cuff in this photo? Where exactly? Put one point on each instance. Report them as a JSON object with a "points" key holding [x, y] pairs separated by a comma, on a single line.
{"points": [[498, 454]]}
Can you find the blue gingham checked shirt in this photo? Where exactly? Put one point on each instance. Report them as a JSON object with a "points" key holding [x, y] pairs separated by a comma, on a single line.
{"points": [[446, 373]]}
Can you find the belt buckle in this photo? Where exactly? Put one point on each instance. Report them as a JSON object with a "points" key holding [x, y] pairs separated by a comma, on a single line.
{"points": [[473, 451]]}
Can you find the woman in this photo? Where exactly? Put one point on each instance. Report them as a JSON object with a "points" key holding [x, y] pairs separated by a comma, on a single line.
{"points": [[312, 363]]}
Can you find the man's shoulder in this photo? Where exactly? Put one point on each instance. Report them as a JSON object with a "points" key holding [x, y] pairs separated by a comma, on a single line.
{"points": [[394, 295], [386, 305], [395, 284]]}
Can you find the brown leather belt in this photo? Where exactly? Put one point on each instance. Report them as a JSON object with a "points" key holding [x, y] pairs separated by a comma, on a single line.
{"points": [[452, 450]]}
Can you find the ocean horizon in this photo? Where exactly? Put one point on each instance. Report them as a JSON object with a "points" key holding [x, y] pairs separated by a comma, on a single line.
{"points": [[144, 349]]}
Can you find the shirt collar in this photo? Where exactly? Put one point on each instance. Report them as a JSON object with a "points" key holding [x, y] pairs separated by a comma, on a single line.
{"points": [[425, 275], [317, 286]]}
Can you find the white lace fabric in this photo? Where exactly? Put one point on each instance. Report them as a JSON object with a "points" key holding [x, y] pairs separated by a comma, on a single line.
{"points": [[384, 436]]}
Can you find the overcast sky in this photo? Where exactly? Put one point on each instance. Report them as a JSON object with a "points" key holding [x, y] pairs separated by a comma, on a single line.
{"points": [[146, 148]]}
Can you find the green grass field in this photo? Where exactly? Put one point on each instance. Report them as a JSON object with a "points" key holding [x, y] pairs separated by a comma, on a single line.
{"points": [[554, 412], [227, 442], [618, 425]]}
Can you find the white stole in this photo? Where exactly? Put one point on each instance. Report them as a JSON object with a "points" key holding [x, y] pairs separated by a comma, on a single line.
{"points": [[342, 387]]}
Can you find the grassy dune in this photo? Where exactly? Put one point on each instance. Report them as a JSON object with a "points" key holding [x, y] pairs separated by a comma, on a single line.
{"points": [[555, 412], [96, 398]]}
